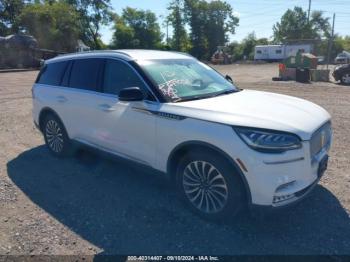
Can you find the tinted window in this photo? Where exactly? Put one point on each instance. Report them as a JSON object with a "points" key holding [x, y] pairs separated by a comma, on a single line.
{"points": [[52, 73], [85, 74], [65, 78], [118, 75]]}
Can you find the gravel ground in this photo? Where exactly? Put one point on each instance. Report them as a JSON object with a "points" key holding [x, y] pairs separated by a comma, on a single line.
{"points": [[91, 205]]}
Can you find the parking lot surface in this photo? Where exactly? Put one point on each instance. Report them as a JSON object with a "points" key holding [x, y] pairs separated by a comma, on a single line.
{"points": [[93, 205]]}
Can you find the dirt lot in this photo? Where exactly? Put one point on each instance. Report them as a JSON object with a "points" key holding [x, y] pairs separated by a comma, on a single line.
{"points": [[90, 205]]}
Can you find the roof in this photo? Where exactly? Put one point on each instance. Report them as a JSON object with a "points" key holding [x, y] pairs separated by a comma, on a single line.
{"points": [[125, 54], [142, 54]]}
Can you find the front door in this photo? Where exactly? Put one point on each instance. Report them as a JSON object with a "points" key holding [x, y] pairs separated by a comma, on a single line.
{"points": [[124, 128]]}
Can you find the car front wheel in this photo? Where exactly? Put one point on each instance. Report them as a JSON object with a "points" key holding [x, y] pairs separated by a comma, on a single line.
{"points": [[210, 186]]}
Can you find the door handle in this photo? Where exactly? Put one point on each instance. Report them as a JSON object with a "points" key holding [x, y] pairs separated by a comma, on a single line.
{"points": [[106, 108], [61, 99]]}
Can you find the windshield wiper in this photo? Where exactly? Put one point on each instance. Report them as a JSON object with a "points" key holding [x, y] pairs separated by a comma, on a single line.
{"points": [[205, 96], [190, 98], [224, 93]]}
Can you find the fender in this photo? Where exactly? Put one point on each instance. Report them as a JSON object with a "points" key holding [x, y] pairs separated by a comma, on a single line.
{"points": [[193, 144]]}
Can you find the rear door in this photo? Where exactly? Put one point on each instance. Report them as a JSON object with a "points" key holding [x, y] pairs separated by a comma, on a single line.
{"points": [[81, 87], [48, 91]]}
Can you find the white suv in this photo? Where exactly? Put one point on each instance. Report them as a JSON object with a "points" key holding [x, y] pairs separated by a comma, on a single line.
{"points": [[224, 147]]}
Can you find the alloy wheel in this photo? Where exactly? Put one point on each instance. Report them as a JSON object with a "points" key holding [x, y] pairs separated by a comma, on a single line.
{"points": [[205, 187], [54, 136], [346, 78]]}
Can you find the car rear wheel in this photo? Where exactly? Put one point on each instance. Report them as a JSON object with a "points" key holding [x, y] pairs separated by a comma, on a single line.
{"points": [[56, 137], [209, 186], [345, 79]]}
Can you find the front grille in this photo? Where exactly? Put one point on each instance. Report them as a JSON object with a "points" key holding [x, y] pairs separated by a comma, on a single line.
{"points": [[321, 139]]}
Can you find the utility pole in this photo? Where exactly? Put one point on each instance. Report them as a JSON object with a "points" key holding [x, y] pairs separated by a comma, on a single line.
{"points": [[308, 13], [330, 43]]}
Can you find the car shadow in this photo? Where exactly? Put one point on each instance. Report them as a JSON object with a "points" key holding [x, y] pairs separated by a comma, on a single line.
{"points": [[125, 209]]}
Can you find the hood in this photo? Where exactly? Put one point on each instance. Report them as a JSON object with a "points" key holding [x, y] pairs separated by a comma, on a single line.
{"points": [[256, 109]]}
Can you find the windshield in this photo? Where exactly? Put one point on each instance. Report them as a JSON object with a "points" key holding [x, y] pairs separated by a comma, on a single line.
{"points": [[186, 79]]}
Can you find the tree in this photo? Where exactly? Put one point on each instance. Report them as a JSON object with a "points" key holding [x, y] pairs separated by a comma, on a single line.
{"points": [[195, 14], [124, 35], [9, 12], [54, 25], [221, 21], [137, 29], [294, 25], [210, 24], [247, 47], [92, 15], [339, 44], [180, 40]]}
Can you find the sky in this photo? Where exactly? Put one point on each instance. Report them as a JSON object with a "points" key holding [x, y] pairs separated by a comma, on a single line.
{"points": [[255, 15]]}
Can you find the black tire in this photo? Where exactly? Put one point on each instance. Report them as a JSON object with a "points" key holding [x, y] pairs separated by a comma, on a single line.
{"points": [[235, 190], [57, 141], [342, 80]]}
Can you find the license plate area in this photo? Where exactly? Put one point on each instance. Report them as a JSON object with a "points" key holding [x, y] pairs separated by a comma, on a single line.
{"points": [[322, 167]]}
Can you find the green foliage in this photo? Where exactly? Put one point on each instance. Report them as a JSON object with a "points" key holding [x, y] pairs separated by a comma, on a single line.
{"points": [[294, 25], [180, 40], [221, 21], [339, 44], [195, 14], [53, 25], [92, 15], [344, 42], [137, 29], [9, 12], [246, 48], [210, 23]]}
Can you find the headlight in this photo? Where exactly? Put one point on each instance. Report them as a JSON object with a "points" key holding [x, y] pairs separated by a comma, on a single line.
{"points": [[268, 141]]}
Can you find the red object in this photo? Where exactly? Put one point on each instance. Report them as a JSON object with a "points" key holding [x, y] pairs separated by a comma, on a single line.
{"points": [[282, 67]]}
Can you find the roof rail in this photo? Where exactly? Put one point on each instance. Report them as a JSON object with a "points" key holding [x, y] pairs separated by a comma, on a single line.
{"points": [[183, 53], [95, 52]]}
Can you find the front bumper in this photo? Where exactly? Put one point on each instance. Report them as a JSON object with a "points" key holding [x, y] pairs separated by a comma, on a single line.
{"points": [[280, 180], [299, 196]]}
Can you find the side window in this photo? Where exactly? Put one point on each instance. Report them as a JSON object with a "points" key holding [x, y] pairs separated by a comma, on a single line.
{"points": [[85, 74], [52, 73], [279, 51], [65, 78], [118, 75]]}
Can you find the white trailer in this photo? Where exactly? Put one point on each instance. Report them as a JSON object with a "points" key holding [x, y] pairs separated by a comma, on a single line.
{"points": [[279, 52]]}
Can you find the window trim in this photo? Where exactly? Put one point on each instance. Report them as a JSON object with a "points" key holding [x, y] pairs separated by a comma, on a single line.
{"points": [[67, 70], [98, 88], [44, 69], [156, 100], [71, 61]]}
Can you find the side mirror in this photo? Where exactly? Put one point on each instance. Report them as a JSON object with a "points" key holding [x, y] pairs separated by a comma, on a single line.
{"points": [[131, 94], [228, 78]]}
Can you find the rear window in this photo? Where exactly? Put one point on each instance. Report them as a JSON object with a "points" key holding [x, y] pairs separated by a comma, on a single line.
{"points": [[52, 73], [85, 74]]}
